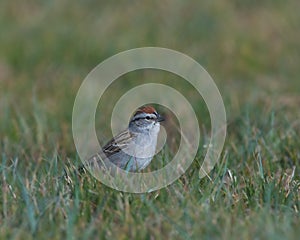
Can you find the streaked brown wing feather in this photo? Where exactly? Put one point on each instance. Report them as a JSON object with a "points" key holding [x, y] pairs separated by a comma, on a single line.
{"points": [[115, 144], [112, 147]]}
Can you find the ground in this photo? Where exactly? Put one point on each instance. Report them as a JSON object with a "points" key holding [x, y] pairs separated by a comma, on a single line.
{"points": [[252, 51]]}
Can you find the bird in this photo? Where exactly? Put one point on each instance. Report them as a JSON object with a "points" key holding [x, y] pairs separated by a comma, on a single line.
{"points": [[133, 149]]}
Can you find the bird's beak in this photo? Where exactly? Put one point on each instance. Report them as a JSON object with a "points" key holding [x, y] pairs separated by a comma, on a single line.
{"points": [[160, 118]]}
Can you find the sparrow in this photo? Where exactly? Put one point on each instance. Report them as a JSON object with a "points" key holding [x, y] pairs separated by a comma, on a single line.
{"points": [[133, 149]]}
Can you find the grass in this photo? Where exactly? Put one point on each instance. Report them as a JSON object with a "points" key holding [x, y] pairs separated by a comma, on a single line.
{"points": [[250, 48]]}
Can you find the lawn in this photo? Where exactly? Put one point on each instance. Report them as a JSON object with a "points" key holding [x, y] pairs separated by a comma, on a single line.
{"points": [[252, 51]]}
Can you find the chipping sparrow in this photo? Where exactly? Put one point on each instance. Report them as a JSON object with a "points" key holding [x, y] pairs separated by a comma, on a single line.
{"points": [[133, 149]]}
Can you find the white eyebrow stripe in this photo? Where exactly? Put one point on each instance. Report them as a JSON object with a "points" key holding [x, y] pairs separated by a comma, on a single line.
{"points": [[143, 115]]}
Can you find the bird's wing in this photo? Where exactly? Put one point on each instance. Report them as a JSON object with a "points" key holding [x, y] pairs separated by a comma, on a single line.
{"points": [[119, 142], [114, 146]]}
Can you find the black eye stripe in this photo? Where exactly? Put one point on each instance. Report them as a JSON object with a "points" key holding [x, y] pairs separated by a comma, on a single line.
{"points": [[148, 118]]}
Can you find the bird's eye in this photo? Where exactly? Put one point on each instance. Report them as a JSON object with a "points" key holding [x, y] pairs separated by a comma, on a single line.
{"points": [[148, 118]]}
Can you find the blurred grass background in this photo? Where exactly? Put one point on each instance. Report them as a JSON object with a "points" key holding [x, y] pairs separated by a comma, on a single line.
{"points": [[252, 51]]}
